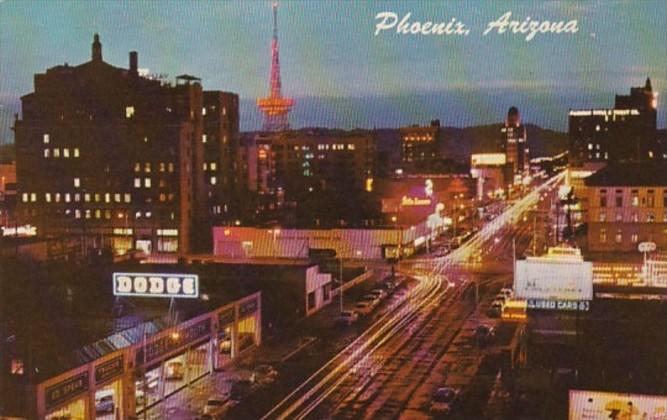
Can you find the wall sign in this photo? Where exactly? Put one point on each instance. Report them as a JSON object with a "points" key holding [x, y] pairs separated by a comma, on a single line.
{"points": [[109, 369], [64, 390], [167, 344], [165, 285], [559, 305]]}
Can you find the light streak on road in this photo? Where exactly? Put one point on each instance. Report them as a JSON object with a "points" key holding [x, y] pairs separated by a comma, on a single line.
{"points": [[388, 336]]}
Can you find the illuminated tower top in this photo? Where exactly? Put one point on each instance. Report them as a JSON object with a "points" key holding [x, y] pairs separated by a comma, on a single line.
{"points": [[275, 107]]}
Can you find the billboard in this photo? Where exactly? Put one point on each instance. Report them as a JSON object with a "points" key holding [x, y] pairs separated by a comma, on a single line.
{"points": [[164, 285], [611, 405], [554, 278]]}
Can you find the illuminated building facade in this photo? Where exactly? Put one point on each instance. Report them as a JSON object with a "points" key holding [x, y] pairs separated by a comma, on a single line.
{"points": [[627, 205], [626, 132], [514, 143], [117, 159], [419, 146], [275, 107]]}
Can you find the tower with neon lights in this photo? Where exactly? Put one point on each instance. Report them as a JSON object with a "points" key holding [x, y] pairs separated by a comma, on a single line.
{"points": [[275, 107]]}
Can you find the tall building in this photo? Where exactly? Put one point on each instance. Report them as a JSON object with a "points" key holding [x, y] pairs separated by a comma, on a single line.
{"points": [[626, 132], [514, 143], [117, 159], [627, 204], [275, 107], [419, 146]]}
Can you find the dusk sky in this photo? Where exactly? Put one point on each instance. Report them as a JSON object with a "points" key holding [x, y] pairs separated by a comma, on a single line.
{"points": [[340, 73]]}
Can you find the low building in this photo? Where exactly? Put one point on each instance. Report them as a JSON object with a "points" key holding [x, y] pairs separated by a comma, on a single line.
{"points": [[627, 205]]}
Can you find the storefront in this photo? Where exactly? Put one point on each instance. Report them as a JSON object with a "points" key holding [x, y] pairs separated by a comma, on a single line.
{"points": [[124, 383]]}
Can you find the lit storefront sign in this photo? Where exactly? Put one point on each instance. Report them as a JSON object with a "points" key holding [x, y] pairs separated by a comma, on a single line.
{"points": [[64, 390], [488, 159], [26, 230], [415, 201], [156, 285], [559, 305], [613, 405], [164, 345], [108, 370]]}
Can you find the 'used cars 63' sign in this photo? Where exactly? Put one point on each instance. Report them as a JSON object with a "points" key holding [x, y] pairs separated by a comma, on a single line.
{"points": [[166, 285]]}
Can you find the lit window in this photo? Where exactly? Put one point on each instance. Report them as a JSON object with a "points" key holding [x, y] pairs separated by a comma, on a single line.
{"points": [[137, 167], [148, 214], [86, 198], [25, 197], [127, 197], [590, 146], [17, 367], [214, 180], [147, 167], [224, 110], [98, 198], [163, 197], [66, 152], [137, 182], [597, 127], [203, 138], [33, 197], [77, 197], [56, 153], [147, 182], [603, 235], [137, 215], [204, 166], [67, 198], [77, 182], [162, 166], [107, 197], [170, 167], [107, 214], [129, 111], [603, 216], [46, 138], [76, 152], [203, 111], [46, 153], [57, 197], [98, 213], [214, 166], [47, 197], [619, 236], [88, 214], [77, 213], [116, 197], [224, 139], [635, 238], [350, 146]]}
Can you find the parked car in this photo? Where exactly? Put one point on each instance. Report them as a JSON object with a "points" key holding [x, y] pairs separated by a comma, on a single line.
{"points": [[363, 307], [264, 374], [501, 298], [496, 309], [507, 292], [372, 299], [443, 400], [380, 293], [348, 317], [104, 402], [484, 334], [216, 406]]}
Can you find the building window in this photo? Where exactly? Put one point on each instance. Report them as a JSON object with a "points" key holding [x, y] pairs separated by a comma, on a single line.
{"points": [[77, 213], [46, 153], [77, 197], [56, 153], [148, 214], [86, 198], [137, 215], [213, 166], [635, 238], [46, 138], [107, 214], [129, 111], [77, 182], [57, 197], [137, 167], [65, 152], [619, 236], [47, 197], [204, 166], [162, 167], [619, 201], [76, 152], [214, 180], [163, 197], [147, 167], [603, 217], [127, 197], [170, 167], [635, 217], [650, 218], [25, 198], [635, 199], [116, 197], [67, 197], [203, 138], [603, 201], [107, 198], [17, 367], [603, 235], [203, 111], [33, 197], [98, 213], [137, 182], [97, 197], [147, 182]]}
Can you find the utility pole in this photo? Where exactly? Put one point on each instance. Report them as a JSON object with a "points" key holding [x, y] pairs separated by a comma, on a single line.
{"points": [[340, 292]]}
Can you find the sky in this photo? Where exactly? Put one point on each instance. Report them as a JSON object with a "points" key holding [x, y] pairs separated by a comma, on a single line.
{"points": [[339, 72]]}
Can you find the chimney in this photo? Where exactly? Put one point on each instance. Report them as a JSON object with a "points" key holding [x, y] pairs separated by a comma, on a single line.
{"points": [[134, 62], [97, 49]]}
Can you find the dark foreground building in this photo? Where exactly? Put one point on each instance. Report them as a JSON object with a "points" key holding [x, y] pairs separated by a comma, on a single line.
{"points": [[121, 160]]}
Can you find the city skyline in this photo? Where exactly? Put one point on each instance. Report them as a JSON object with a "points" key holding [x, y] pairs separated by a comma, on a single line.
{"points": [[358, 79]]}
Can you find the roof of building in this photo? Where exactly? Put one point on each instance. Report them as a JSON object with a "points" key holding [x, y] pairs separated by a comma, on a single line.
{"points": [[630, 174]]}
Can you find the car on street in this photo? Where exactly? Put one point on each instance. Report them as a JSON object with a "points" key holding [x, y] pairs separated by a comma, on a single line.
{"points": [[264, 375], [347, 317], [104, 402], [216, 406], [443, 400], [496, 309], [501, 298], [380, 293], [363, 307], [507, 292]]}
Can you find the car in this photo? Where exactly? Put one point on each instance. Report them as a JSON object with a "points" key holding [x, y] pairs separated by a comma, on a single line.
{"points": [[104, 402], [484, 334], [380, 293], [507, 292], [363, 307], [443, 400], [501, 298], [215, 406], [389, 286], [347, 317], [264, 375], [372, 299], [496, 309]]}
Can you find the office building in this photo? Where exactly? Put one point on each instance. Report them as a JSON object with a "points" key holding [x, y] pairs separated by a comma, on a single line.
{"points": [[419, 147], [514, 144]]}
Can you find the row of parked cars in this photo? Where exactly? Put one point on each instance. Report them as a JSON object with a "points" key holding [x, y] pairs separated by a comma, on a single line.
{"points": [[367, 303], [498, 304]]}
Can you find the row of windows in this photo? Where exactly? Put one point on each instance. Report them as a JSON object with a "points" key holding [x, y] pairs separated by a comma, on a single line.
{"points": [[56, 153], [618, 237], [77, 197], [635, 200], [108, 214], [213, 166], [650, 218], [336, 146], [162, 167]]}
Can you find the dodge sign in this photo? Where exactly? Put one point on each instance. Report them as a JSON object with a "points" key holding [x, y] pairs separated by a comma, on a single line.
{"points": [[165, 285]]}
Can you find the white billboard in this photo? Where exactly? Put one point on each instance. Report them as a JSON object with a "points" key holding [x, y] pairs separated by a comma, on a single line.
{"points": [[164, 285], [611, 405], [554, 279]]}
